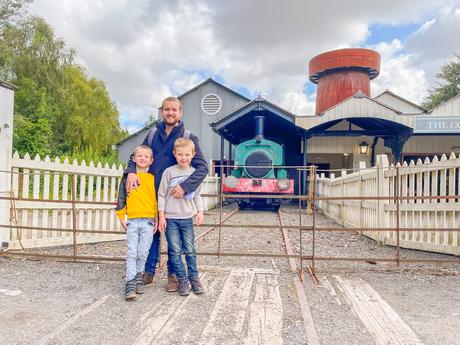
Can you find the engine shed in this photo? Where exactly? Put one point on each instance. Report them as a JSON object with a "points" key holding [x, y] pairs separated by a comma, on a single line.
{"points": [[261, 117]]}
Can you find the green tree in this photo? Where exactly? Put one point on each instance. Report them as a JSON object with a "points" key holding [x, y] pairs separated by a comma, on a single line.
{"points": [[11, 9], [32, 136], [152, 120], [449, 85], [59, 110]]}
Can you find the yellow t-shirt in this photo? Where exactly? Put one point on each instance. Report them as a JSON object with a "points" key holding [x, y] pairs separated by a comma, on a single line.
{"points": [[142, 201]]}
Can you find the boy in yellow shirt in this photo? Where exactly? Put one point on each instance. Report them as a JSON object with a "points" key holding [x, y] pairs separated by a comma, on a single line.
{"points": [[141, 208]]}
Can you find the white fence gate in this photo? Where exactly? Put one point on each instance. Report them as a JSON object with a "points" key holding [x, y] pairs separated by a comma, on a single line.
{"points": [[51, 180], [436, 178]]}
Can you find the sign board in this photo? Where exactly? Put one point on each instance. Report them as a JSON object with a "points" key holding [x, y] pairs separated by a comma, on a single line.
{"points": [[437, 124]]}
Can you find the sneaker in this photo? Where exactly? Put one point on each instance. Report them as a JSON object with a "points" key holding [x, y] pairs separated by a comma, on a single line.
{"points": [[184, 288], [139, 283], [197, 288], [173, 284], [130, 290]]}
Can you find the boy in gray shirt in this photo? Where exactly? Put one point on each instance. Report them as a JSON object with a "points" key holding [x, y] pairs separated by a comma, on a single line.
{"points": [[176, 217]]}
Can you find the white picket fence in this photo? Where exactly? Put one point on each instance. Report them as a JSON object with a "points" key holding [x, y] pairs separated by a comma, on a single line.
{"points": [[52, 180], [427, 178]]}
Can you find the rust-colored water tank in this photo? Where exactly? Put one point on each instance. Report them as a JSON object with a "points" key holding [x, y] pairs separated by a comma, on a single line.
{"points": [[341, 74]]}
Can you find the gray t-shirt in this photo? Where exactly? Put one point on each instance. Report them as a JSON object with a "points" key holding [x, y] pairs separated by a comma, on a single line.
{"points": [[175, 208]]}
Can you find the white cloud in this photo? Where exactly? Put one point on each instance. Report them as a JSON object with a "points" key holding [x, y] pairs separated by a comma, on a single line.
{"points": [[398, 74], [147, 49]]}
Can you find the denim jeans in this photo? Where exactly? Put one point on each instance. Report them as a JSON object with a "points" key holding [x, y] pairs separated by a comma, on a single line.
{"points": [[181, 238], [139, 237], [154, 255]]}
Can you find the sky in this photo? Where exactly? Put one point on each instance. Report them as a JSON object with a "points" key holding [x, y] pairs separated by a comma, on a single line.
{"points": [[145, 50]]}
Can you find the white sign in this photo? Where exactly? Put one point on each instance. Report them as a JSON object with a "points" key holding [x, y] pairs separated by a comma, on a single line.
{"points": [[437, 124]]}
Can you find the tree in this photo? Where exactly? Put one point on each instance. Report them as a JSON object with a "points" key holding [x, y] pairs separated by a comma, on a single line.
{"points": [[59, 110], [152, 120], [11, 10], [448, 87]]}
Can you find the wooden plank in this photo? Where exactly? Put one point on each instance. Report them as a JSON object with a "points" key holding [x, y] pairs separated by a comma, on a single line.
{"points": [[81, 197], [54, 214], [266, 313], [97, 216], [385, 325], [46, 195], [160, 322], [25, 194], [36, 195], [65, 193], [89, 214], [65, 167], [105, 197], [227, 318]]}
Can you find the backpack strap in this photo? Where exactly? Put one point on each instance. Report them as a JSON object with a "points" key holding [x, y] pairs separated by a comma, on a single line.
{"points": [[154, 130], [150, 136]]}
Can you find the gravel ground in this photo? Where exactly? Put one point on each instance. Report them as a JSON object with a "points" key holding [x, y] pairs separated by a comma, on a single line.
{"points": [[46, 296]]}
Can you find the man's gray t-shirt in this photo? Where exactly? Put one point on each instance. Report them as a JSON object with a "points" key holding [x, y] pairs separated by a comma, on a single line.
{"points": [[185, 207]]}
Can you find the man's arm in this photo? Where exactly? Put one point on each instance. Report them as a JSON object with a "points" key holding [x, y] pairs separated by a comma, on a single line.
{"points": [[131, 168], [121, 210], [201, 169], [132, 180]]}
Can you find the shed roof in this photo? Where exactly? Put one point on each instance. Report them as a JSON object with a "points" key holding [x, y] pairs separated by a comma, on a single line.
{"points": [[239, 124], [366, 112], [196, 87], [392, 94]]}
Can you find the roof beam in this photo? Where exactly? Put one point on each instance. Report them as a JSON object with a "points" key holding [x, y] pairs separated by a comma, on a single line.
{"points": [[352, 133]]}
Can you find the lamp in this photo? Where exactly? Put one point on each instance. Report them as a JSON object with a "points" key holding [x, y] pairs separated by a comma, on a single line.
{"points": [[363, 148]]}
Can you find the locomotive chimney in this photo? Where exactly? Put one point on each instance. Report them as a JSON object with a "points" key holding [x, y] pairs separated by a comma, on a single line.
{"points": [[342, 73], [259, 127]]}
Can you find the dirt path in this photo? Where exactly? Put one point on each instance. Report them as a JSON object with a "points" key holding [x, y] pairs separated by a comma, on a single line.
{"points": [[248, 300]]}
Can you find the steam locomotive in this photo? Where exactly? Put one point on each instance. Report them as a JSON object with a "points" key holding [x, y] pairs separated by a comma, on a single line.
{"points": [[255, 171]]}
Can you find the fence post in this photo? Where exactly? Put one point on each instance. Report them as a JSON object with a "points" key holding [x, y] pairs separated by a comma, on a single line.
{"points": [[6, 152], [342, 194], [361, 189], [382, 190]]}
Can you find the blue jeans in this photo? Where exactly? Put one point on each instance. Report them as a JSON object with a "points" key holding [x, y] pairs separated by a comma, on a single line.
{"points": [[138, 240], [154, 255], [181, 238]]}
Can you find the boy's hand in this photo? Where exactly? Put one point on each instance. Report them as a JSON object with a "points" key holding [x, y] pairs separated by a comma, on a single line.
{"points": [[132, 182], [123, 224], [177, 192], [162, 224], [199, 218]]}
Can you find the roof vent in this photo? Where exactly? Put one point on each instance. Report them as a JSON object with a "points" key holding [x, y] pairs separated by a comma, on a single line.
{"points": [[359, 94], [211, 104]]}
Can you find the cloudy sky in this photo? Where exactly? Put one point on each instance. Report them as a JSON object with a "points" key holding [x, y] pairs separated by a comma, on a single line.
{"points": [[145, 50]]}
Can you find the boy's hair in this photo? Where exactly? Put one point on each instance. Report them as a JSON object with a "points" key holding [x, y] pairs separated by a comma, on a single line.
{"points": [[171, 99], [184, 142], [143, 147]]}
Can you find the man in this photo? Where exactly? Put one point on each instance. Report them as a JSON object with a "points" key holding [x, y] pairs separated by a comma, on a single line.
{"points": [[162, 144]]}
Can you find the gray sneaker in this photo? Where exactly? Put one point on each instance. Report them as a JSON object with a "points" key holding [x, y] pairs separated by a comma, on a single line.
{"points": [[130, 290], [184, 288], [140, 288], [197, 288]]}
